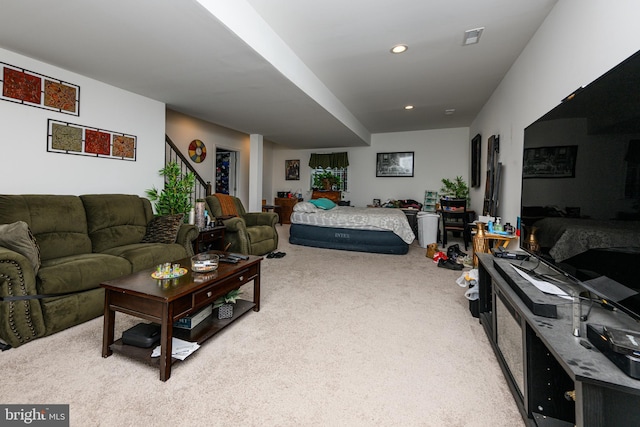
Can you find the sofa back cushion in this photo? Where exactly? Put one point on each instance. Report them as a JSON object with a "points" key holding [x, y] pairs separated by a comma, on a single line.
{"points": [[58, 222], [116, 219]]}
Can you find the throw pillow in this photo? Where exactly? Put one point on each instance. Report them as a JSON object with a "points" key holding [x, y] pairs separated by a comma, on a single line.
{"points": [[306, 207], [18, 237], [163, 229], [323, 203]]}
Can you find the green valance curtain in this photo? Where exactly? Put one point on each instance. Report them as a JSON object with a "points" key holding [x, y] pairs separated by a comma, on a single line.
{"points": [[329, 160]]}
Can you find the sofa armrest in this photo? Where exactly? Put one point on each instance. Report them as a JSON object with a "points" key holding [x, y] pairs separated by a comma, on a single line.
{"points": [[20, 321], [186, 235], [261, 218], [235, 224]]}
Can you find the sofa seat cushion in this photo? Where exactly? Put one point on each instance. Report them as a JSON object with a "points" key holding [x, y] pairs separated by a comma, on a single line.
{"points": [[148, 255], [79, 272]]}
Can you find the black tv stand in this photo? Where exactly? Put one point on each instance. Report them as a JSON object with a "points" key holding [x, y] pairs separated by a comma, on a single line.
{"points": [[554, 377], [540, 304]]}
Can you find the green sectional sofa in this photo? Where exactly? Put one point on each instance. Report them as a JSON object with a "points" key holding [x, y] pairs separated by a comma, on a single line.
{"points": [[55, 250]]}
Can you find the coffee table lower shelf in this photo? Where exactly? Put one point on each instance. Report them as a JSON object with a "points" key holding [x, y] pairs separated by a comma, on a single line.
{"points": [[202, 332]]}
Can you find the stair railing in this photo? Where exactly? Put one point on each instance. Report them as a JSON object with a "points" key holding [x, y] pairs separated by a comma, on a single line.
{"points": [[172, 154]]}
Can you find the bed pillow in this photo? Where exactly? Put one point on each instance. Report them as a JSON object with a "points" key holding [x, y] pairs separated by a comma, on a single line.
{"points": [[323, 203], [18, 237], [305, 207]]}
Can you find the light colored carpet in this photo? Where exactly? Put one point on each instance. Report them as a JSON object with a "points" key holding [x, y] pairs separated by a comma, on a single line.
{"points": [[342, 339]]}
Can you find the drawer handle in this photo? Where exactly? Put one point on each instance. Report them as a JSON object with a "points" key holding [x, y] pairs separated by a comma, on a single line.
{"points": [[241, 278], [209, 294]]}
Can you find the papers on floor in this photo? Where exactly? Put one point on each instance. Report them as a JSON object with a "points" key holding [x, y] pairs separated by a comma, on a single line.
{"points": [[179, 349], [546, 287]]}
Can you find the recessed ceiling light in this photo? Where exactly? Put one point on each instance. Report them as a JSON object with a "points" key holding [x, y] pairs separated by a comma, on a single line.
{"points": [[472, 36], [399, 48], [408, 107], [449, 111]]}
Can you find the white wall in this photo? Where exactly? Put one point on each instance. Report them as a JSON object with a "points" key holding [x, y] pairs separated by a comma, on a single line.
{"points": [[578, 42], [442, 153], [183, 129], [27, 167]]}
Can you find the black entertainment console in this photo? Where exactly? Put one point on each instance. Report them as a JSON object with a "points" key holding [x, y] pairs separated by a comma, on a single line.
{"points": [[556, 378]]}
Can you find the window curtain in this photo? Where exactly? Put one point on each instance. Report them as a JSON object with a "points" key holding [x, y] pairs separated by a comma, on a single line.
{"points": [[329, 161]]}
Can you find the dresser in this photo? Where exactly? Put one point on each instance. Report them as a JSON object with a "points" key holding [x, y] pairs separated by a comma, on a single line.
{"points": [[334, 196], [285, 208]]}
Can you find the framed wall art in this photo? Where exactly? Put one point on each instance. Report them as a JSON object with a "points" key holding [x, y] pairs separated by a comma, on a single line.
{"points": [[30, 88], [398, 164], [493, 149], [292, 170], [550, 162], [70, 138], [475, 161]]}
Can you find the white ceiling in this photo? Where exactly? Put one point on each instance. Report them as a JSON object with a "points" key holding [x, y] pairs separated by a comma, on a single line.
{"points": [[305, 74]]}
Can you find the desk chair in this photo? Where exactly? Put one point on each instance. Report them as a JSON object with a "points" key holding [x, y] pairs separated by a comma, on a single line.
{"points": [[455, 218]]}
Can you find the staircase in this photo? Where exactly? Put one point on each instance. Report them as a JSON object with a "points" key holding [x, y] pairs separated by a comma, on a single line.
{"points": [[173, 154]]}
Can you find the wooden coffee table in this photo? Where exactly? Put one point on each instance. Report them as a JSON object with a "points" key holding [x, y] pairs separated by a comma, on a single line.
{"points": [[165, 301]]}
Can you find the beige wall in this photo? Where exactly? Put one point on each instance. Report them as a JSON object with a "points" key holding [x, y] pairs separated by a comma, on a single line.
{"points": [[183, 129]]}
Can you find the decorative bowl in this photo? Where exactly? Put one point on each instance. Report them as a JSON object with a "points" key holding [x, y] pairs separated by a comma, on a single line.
{"points": [[204, 263]]}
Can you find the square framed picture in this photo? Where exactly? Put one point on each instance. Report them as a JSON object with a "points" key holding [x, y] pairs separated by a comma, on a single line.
{"points": [[398, 164]]}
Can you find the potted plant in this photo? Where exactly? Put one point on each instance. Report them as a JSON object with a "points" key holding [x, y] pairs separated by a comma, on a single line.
{"points": [[325, 180], [175, 197], [224, 304], [454, 189]]}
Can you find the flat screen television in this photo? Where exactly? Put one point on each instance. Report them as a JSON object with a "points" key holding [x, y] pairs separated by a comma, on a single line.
{"points": [[580, 206]]}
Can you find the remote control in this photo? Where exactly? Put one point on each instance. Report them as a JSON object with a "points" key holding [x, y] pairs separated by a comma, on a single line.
{"points": [[238, 256]]}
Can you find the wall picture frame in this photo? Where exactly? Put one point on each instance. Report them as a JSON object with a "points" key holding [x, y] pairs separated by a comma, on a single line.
{"points": [[550, 162], [292, 170], [476, 143], [395, 164], [493, 149]]}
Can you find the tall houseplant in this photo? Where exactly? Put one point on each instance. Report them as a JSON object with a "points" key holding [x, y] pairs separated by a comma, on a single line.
{"points": [[175, 197], [455, 189]]}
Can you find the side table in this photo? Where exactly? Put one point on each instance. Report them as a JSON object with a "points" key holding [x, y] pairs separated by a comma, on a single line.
{"points": [[211, 238], [285, 209], [489, 241]]}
